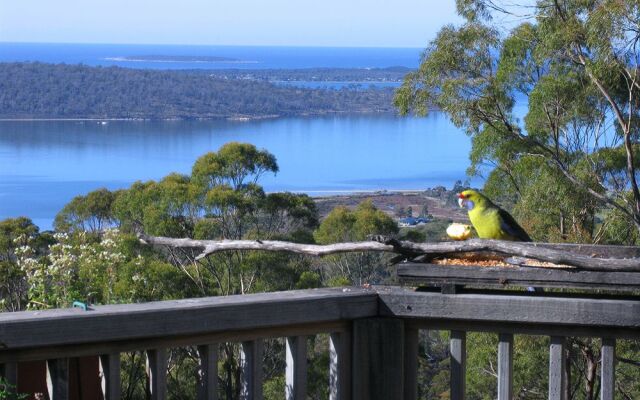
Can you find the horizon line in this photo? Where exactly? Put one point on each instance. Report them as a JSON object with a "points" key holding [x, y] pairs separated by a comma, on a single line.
{"points": [[216, 45]]}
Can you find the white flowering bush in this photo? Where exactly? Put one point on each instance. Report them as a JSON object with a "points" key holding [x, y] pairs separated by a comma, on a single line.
{"points": [[78, 266]]}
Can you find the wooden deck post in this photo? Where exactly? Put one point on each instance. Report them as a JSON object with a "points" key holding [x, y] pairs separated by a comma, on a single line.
{"points": [[557, 366], [458, 349], [340, 366], [505, 366], [296, 370], [208, 372], [378, 359], [607, 386], [110, 376], [251, 375]]}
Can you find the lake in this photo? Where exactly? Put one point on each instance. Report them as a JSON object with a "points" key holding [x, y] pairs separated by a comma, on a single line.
{"points": [[44, 164]]}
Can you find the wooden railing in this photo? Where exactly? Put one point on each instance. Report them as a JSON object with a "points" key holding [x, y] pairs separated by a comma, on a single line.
{"points": [[373, 337]]}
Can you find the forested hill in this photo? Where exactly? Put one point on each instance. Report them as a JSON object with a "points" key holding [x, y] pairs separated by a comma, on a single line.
{"points": [[37, 90]]}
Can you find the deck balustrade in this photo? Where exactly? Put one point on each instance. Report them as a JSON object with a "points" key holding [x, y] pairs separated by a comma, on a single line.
{"points": [[373, 337]]}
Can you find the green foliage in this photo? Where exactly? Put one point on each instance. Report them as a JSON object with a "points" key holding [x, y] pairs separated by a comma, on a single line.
{"points": [[8, 391], [232, 165], [344, 225], [577, 143], [15, 232], [274, 388], [413, 235], [566, 164], [309, 280], [92, 212]]}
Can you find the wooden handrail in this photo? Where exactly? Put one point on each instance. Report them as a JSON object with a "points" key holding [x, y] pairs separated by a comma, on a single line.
{"points": [[242, 314], [377, 325]]}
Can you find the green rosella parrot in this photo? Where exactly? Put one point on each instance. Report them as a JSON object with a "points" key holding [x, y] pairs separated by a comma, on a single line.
{"points": [[489, 220]]}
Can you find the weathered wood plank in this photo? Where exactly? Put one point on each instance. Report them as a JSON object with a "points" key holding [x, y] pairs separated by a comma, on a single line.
{"points": [[525, 329], [296, 369], [378, 362], [58, 379], [458, 356], [122, 346], [188, 317], [505, 366], [512, 308], [9, 371], [607, 384], [208, 372], [431, 274], [596, 250], [251, 370], [110, 376], [411, 335], [340, 365], [557, 366], [157, 373]]}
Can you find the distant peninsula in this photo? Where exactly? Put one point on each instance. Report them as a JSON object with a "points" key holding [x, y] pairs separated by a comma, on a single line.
{"points": [[179, 59], [62, 91]]}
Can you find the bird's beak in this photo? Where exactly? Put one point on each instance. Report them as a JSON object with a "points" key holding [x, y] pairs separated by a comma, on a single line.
{"points": [[461, 200]]}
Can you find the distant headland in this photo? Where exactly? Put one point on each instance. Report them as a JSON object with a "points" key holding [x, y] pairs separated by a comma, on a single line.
{"points": [[180, 59]]}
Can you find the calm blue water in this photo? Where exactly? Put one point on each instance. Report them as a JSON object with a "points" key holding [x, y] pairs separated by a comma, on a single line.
{"points": [[44, 164], [251, 57]]}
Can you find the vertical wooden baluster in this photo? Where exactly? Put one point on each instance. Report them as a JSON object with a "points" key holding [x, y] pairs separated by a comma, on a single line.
{"points": [[411, 363], [157, 371], [557, 366], [208, 383], [251, 374], [458, 344], [58, 378], [296, 373], [340, 366], [607, 385], [110, 376], [505, 366]]}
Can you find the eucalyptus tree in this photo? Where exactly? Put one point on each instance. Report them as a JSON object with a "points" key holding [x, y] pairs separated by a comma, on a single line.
{"points": [[549, 92], [554, 84], [92, 212], [222, 199]]}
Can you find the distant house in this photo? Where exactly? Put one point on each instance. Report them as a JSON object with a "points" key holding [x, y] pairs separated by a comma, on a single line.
{"points": [[411, 221]]}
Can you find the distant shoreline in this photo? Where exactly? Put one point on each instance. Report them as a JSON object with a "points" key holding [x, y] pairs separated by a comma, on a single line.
{"points": [[238, 118]]}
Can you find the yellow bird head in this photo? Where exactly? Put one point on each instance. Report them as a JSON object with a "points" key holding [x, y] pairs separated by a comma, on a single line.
{"points": [[470, 199]]}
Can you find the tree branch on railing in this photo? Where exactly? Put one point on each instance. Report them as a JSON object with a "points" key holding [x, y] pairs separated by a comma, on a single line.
{"points": [[405, 248]]}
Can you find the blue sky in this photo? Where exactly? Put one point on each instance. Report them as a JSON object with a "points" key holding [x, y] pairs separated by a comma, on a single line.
{"points": [[384, 23]]}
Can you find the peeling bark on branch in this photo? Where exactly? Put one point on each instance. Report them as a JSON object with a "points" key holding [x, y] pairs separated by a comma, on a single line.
{"points": [[530, 250]]}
